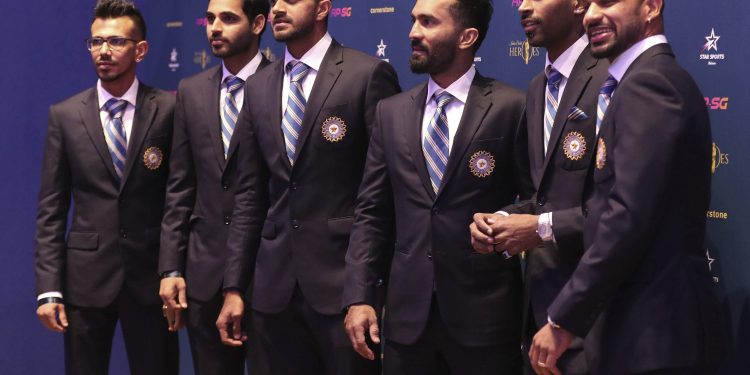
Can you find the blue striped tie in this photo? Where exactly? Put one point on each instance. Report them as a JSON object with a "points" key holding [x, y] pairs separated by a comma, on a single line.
{"points": [[291, 124], [553, 88], [114, 134], [435, 143], [605, 94], [230, 112]]}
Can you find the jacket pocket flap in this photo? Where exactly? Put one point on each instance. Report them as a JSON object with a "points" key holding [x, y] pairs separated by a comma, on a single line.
{"points": [[83, 240]]}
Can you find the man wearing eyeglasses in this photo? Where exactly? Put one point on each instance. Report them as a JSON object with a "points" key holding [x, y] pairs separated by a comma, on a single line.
{"points": [[107, 148]]}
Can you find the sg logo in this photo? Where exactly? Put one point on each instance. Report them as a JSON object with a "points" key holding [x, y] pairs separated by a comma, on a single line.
{"points": [[717, 103]]}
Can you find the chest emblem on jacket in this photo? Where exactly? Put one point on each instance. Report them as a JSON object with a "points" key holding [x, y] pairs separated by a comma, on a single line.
{"points": [[153, 157], [574, 146], [334, 129], [481, 164], [601, 154]]}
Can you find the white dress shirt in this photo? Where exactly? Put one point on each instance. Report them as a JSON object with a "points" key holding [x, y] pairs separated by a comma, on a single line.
{"points": [[454, 110], [127, 116], [249, 69], [312, 58], [621, 64]]}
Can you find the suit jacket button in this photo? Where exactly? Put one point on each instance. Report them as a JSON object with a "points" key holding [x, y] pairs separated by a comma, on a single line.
{"points": [[292, 186], [227, 220], [123, 233], [541, 201], [429, 255], [585, 212], [434, 211], [295, 224], [225, 187]]}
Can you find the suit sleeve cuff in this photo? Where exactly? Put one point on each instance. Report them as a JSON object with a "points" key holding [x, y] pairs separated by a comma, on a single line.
{"points": [[49, 295]]}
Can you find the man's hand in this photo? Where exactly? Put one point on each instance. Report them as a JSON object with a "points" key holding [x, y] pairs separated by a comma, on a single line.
{"points": [[483, 231], [52, 315], [172, 291], [517, 233], [229, 322], [548, 345], [359, 319]]}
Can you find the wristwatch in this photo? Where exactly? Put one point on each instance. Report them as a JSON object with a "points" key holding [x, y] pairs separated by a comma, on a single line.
{"points": [[544, 227]]}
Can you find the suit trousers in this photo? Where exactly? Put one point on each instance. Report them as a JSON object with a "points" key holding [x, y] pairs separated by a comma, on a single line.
{"points": [[151, 348], [210, 356], [699, 370], [437, 353], [301, 341]]}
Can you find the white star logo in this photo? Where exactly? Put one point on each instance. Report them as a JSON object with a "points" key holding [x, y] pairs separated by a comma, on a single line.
{"points": [[711, 42], [381, 49], [710, 260]]}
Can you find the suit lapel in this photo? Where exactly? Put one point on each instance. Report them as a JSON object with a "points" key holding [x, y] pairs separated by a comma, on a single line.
{"points": [[211, 108], [477, 105], [574, 89], [330, 70], [413, 133], [143, 118], [233, 141], [93, 124], [275, 83], [535, 118]]}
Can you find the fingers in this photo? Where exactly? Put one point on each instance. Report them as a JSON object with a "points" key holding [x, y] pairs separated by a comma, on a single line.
{"points": [[479, 241], [359, 319], [229, 322], [237, 333], [172, 291], [182, 296], [52, 316], [374, 332], [360, 344], [483, 223]]}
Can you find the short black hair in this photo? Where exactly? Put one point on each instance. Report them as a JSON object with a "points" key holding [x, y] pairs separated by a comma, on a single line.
{"points": [[474, 14], [120, 8], [252, 8]]}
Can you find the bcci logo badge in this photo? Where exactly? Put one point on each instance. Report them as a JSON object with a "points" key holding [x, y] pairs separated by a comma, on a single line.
{"points": [[380, 53], [152, 158], [481, 164], [711, 45], [601, 154], [334, 129], [717, 158], [522, 49], [574, 146]]}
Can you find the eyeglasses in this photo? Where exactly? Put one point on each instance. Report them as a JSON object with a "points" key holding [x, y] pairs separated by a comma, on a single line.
{"points": [[113, 42]]}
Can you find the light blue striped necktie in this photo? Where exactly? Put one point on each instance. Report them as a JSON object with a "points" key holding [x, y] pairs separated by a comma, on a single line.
{"points": [[435, 143], [230, 110], [114, 134], [291, 124], [551, 93], [605, 94]]}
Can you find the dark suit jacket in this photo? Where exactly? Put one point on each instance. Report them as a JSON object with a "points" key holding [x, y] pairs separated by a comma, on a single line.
{"points": [[559, 180], [479, 295], [644, 270], [201, 187], [114, 234], [305, 211]]}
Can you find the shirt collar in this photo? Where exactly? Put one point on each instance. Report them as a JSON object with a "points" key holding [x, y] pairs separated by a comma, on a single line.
{"points": [[314, 56], [564, 63], [129, 96], [246, 70], [459, 88], [621, 64]]}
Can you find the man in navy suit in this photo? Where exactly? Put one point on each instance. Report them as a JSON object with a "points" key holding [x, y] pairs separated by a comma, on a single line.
{"points": [[644, 273], [107, 155], [303, 133], [440, 152], [203, 180], [561, 132]]}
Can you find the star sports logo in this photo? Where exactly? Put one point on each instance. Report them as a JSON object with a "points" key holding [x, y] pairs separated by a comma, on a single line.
{"points": [[711, 45], [381, 51]]}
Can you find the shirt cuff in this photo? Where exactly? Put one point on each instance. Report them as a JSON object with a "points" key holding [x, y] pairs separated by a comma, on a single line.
{"points": [[552, 323], [502, 213], [48, 295], [545, 227]]}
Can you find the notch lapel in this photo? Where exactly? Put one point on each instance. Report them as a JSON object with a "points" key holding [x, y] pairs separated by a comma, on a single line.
{"points": [[234, 141], [535, 125], [413, 133], [211, 110], [477, 105], [330, 70], [145, 111], [92, 122]]}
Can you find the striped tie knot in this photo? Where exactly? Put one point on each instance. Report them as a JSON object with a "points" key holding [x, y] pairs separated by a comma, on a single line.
{"points": [[233, 84], [443, 98], [608, 87], [297, 70], [115, 107], [554, 78]]}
